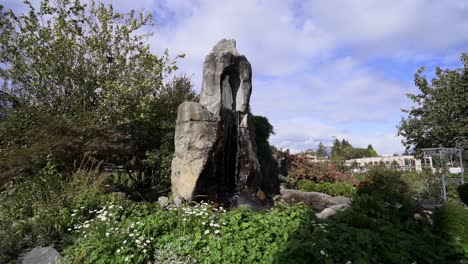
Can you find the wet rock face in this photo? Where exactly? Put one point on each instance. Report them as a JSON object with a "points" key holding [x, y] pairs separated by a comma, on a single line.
{"points": [[215, 151]]}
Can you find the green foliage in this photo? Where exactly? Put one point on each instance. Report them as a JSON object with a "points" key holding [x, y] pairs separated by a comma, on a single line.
{"points": [[387, 185], [327, 171], [463, 193], [439, 116], [102, 49], [209, 235], [452, 221], [36, 211], [321, 150], [419, 184], [341, 241], [333, 189], [108, 99], [380, 227], [67, 141], [89, 227], [343, 150], [268, 164]]}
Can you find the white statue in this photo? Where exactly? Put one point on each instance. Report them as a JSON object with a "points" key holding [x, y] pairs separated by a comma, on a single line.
{"points": [[226, 94]]}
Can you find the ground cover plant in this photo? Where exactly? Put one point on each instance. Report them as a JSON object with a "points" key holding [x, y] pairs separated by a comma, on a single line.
{"points": [[89, 226]]}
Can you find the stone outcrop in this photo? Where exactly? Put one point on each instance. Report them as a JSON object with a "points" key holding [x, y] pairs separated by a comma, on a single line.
{"points": [[41, 255], [195, 136], [318, 201], [215, 152], [331, 211]]}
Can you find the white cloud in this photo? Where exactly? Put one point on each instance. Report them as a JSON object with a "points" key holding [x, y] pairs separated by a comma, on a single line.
{"points": [[340, 90], [267, 32], [393, 26], [302, 134]]}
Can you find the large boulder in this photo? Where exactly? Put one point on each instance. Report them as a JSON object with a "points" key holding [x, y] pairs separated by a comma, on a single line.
{"points": [[318, 201], [215, 151], [41, 255], [331, 211], [195, 136]]}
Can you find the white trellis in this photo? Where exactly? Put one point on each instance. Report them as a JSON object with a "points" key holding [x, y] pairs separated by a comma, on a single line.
{"points": [[444, 155]]}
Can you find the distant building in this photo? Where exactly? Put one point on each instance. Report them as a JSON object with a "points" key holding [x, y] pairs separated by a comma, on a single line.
{"points": [[403, 163]]}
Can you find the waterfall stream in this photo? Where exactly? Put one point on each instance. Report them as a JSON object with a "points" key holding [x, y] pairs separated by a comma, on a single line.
{"points": [[237, 113]]}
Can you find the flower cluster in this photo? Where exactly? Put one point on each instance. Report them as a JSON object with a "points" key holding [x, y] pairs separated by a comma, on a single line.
{"points": [[106, 214], [203, 213]]}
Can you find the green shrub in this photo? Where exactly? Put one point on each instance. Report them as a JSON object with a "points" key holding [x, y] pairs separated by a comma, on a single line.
{"points": [[451, 220], [385, 184], [36, 211], [338, 241], [331, 171], [417, 183], [268, 164], [333, 189], [373, 230], [463, 193], [140, 233]]}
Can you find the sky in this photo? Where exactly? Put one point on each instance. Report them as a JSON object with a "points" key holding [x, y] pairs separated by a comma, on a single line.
{"points": [[321, 68]]}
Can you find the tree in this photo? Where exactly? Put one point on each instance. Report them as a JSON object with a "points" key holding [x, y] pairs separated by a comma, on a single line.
{"points": [[337, 148], [88, 66], [78, 60], [322, 150], [268, 164], [371, 152], [440, 114], [343, 150]]}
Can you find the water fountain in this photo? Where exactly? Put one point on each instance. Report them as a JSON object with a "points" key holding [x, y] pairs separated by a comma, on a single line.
{"points": [[215, 153]]}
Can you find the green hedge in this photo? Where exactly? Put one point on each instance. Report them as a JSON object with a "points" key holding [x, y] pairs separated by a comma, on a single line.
{"points": [[333, 189], [452, 221]]}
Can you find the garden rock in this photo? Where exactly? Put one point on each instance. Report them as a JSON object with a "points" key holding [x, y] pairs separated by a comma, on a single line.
{"points": [[215, 152], [41, 255], [163, 201], [332, 210], [318, 201], [178, 201]]}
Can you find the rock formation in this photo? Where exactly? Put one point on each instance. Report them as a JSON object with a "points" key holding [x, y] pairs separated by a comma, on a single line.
{"points": [[215, 152], [41, 255]]}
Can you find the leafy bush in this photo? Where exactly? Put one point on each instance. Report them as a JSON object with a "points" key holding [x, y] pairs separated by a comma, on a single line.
{"points": [[67, 141], [463, 193], [301, 168], [385, 184], [451, 220], [86, 104], [417, 183], [333, 189], [341, 241], [119, 233], [36, 211], [268, 164], [380, 227]]}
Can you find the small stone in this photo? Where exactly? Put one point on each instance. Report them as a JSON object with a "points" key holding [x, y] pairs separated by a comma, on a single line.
{"points": [[178, 201], [163, 201]]}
